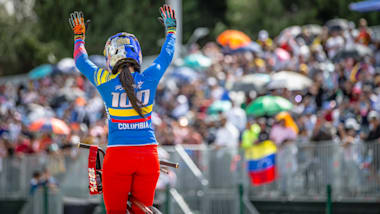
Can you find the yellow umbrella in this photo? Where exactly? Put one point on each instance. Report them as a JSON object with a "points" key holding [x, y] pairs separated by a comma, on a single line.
{"points": [[289, 122]]}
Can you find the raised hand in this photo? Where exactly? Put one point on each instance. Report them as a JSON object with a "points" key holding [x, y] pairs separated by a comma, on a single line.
{"points": [[168, 18], [78, 25]]}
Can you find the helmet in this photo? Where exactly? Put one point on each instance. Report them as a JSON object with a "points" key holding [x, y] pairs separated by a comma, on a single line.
{"points": [[122, 47]]}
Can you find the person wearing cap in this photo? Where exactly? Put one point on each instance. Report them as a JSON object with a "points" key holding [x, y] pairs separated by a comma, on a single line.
{"points": [[374, 124], [227, 136], [284, 130], [349, 137]]}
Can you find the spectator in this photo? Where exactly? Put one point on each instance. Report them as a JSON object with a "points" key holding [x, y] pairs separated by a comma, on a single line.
{"points": [[364, 37], [237, 117], [35, 182], [227, 135], [374, 133], [281, 133]]}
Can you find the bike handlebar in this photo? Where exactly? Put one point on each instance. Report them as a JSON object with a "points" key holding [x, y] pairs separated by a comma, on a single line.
{"points": [[87, 146], [162, 162], [170, 164]]}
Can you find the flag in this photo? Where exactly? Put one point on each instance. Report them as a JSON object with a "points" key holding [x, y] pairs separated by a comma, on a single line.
{"points": [[261, 162]]}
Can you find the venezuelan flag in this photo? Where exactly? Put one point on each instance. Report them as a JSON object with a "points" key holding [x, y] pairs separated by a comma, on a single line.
{"points": [[261, 158]]}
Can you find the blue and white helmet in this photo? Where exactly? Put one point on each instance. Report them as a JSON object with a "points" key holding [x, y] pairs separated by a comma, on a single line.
{"points": [[122, 46]]}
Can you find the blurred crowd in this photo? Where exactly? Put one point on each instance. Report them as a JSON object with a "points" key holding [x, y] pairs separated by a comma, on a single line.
{"points": [[342, 104], [68, 97]]}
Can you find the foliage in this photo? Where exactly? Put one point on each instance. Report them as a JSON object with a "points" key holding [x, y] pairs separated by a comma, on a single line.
{"points": [[251, 16], [42, 35]]}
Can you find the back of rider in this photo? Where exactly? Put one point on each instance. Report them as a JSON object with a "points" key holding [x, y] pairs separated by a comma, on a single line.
{"points": [[131, 163], [124, 121]]}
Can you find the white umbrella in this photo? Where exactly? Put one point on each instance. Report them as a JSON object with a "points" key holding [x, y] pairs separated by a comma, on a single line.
{"points": [[337, 24], [66, 65], [251, 82], [313, 29], [289, 32], [38, 111], [290, 80]]}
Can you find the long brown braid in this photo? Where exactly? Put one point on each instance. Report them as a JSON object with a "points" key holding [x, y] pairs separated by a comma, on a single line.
{"points": [[128, 83]]}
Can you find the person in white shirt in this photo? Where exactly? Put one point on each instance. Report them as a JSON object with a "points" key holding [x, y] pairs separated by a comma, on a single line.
{"points": [[227, 135], [334, 44], [237, 117]]}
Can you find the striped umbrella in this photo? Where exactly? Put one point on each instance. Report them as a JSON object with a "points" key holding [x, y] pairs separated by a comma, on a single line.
{"points": [[54, 125]]}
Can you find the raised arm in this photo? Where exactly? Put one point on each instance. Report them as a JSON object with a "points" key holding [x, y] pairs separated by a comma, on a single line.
{"points": [[85, 66], [162, 62]]}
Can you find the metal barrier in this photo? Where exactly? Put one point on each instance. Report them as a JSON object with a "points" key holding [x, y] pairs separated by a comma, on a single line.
{"points": [[44, 201], [304, 171], [208, 179], [16, 174]]}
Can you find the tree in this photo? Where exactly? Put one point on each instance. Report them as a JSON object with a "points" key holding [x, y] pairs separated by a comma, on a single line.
{"points": [[20, 47], [251, 16], [107, 18]]}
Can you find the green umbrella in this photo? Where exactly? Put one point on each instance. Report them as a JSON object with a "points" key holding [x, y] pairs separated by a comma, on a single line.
{"points": [[268, 105], [219, 106], [197, 61]]}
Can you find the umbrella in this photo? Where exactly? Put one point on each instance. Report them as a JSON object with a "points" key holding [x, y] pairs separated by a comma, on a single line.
{"points": [[184, 74], [313, 29], [365, 6], [338, 24], [98, 60], [66, 65], [268, 105], [251, 82], [289, 32], [38, 111], [40, 71], [219, 106], [290, 80], [233, 39], [54, 125], [197, 61], [250, 47], [289, 122], [356, 51], [292, 30]]}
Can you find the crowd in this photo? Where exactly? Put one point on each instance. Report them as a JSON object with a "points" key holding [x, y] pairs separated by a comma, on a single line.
{"points": [[342, 103]]}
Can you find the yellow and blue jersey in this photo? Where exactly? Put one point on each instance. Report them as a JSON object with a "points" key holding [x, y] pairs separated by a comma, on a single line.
{"points": [[126, 127]]}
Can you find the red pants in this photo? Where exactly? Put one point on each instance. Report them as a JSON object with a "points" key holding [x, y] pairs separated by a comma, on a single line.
{"points": [[129, 169]]}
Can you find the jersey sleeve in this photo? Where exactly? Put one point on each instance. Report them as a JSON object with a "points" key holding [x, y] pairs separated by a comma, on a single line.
{"points": [[162, 62], [84, 65]]}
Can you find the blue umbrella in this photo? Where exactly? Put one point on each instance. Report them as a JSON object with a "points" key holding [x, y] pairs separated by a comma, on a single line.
{"points": [[251, 47], [366, 6], [184, 74], [98, 60], [40, 71]]}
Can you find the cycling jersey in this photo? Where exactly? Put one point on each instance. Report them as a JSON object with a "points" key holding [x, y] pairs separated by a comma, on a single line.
{"points": [[126, 127]]}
